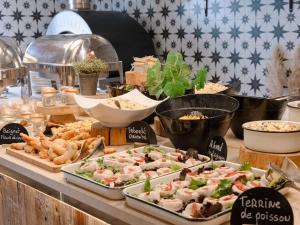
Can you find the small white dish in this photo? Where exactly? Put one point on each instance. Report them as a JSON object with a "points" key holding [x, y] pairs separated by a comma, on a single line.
{"points": [[110, 116], [270, 141]]}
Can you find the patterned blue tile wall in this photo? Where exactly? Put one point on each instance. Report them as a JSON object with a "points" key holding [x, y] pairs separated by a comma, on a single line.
{"points": [[234, 41]]}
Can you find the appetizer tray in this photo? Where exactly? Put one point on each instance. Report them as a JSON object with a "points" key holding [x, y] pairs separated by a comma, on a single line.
{"points": [[63, 147], [110, 174], [182, 197]]}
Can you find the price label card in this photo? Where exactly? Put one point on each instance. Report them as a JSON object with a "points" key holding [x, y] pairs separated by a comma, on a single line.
{"points": [[10, 133], [262, 206], [217, 149], [140, 131]]}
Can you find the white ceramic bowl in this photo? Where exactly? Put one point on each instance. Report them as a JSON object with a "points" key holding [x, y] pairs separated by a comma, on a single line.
{"points": [[294, 111], [272, 142], [113, 117]]}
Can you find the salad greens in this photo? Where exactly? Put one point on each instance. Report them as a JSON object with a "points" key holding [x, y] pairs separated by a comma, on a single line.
{"points": [[224, 188], [200, 80], [195, 184], [175, 167], [148, 149], [147, 185], [277, 183], [246, 166], [100, 161], [85, 174], [173, 78]]}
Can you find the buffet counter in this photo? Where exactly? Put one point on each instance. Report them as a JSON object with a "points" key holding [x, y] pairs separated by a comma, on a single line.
{"points": [[116, 210], [111, 211]]}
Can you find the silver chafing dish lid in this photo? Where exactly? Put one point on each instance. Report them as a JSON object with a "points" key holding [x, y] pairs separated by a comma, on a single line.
{"points": [[11, 67], [9, 54], [64, 50]]}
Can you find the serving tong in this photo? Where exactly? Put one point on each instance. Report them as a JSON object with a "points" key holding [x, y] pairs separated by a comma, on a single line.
{"points": [[289, 171], [85, 155]]}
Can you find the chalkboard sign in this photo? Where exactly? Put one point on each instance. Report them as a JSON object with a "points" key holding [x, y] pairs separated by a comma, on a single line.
{"points": [[262, 206], [140, 131], [10, 133], [217, 149]]}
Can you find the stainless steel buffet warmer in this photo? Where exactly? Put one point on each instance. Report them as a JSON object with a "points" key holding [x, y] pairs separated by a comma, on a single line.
{"points": [[49, 59], [12, 72]]}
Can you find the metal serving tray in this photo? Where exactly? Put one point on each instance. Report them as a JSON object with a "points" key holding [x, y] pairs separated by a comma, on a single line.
{"points": [[115, 193], [174, 217]]}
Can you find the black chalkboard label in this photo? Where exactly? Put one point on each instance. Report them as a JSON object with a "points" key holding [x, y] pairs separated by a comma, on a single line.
{"points": [[140, 131], [10, 133], [262, 206], [217, 149]]}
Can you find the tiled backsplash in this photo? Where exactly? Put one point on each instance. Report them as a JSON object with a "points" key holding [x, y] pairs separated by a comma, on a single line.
{"points": [[235, 40]]}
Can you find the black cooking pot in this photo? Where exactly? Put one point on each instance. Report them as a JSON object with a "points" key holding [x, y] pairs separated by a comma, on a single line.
{"points": [[256, 108], [196, 134]]}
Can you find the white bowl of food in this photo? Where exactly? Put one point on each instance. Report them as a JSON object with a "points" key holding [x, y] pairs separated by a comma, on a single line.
{"points": [[272, 136], [214, 88], [294, 111], [118, 111]]}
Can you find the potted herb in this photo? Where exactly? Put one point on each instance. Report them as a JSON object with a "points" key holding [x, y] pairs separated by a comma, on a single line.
{"points": [[173, 78], [89, 71]]}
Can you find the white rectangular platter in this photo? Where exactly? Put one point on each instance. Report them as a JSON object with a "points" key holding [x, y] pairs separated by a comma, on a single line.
{"points": [[115, 193], [173, 217]]}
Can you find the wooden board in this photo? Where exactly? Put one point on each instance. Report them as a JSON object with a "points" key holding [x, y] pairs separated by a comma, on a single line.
{"points": [[262, 159], [136, 78], [23, 205], [35, 160], [113, 136], [158, 128], [62, 119]]}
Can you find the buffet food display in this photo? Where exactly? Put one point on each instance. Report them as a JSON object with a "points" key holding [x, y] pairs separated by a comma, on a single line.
{"points": [[108, 175], [180, 185], [202, 194], [65, 144]]}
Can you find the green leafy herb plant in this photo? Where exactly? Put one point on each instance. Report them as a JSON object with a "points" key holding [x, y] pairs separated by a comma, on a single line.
{"points": [[173, 78]]}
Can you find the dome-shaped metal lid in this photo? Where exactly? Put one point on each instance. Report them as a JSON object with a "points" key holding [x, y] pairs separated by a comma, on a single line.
{"points": [[9, 54], [64, 50]]}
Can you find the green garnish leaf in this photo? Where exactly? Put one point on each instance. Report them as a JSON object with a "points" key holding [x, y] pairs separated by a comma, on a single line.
{"points": [[246, 166], [148, 149], [175, 167], [195, 184], [86, 174], [213, 165], [147, 185], [132, 181], [200, 80], [100, 161], [223, 189], [277, 183]]}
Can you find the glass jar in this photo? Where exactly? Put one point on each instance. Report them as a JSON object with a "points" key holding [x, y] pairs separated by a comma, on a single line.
{"points": [[67, 95], [48, 96], [38, 122]]}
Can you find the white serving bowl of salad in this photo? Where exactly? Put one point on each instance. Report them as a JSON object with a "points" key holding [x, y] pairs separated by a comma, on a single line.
{"points": [[272, 136], [118, 111]]}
